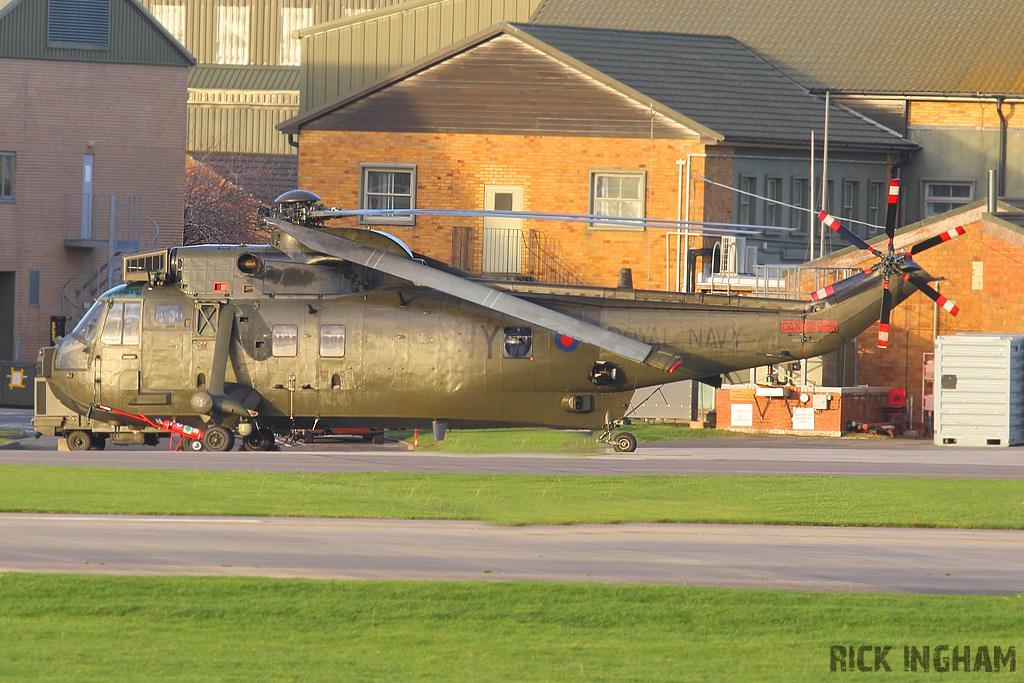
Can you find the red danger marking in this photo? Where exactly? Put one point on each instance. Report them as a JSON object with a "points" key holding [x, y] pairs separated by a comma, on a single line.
{"points": [[802, 326]]}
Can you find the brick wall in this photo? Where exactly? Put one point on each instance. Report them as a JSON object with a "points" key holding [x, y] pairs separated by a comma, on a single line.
{"points": [[554, 172], [782, 415], [953, 114], [131, 118]]}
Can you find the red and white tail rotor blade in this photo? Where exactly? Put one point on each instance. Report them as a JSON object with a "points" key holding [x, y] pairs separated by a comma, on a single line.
{"points": [[946, 304], [853, 238], [891, 211], [883, 319], [951, 234]]}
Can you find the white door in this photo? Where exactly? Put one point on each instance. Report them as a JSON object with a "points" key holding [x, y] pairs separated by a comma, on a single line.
{"points": [[503, 237]]}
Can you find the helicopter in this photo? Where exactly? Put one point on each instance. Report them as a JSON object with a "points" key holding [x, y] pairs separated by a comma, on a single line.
{"points": [[333, 327]]}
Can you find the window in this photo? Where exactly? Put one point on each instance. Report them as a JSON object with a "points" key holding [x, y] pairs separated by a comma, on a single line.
{"points": [[78, 22], [232, 35], [617, 193], [292, 19], [875, 195], [33, 288], [518, 342], [799, 217], [285, 340], [122, 324], [170, 314], [332, 341], [6, 177], [746, 212], [850, 191], [172, 16], [388, 187], [773, 195], [943, 197]]}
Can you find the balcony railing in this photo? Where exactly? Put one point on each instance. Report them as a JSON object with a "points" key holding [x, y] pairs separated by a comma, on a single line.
{"points": [[511, 253]]}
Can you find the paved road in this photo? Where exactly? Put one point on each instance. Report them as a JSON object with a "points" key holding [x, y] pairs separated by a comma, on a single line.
{"points": [[820, 559], [712, 456]]}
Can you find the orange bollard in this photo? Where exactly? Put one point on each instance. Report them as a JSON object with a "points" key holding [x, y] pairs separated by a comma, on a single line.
{"points": [[415, 438]]}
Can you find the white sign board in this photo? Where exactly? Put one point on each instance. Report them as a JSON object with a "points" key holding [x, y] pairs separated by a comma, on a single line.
{"points": [[803, 418], [742, 415]]}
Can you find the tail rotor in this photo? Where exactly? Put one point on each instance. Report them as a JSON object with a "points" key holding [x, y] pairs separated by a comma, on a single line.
{"points": [[891, 263]]}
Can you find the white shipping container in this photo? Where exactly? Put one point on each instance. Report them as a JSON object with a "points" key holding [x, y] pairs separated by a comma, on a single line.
{"points": [[979, 390]]}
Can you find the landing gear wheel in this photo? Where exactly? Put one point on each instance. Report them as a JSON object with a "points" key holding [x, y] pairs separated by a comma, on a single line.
{"points": [[193, 444], [218, 439], [79, 441], [98, 443], [378, 439], [258, 440], [624, 443]]}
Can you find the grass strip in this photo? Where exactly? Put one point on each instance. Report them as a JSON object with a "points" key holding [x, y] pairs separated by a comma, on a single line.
{"points": [[511, 499], [532, 440], [73, 628]]}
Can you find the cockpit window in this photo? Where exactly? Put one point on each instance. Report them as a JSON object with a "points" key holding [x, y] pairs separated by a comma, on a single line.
{"points": [[87, 326], [122, 324]]}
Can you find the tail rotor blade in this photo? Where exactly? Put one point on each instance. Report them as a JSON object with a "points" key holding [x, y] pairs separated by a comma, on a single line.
{"points": [[883, 319], [891, 211], [947, 304], [938, 239], [839, 287], [844, 232]]}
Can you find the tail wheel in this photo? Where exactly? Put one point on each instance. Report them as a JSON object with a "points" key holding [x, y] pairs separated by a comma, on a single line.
{"points": [[218, 439], [79, 441], [624, 443], [193, 444]]}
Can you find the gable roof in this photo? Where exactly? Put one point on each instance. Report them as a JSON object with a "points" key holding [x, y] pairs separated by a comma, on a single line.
{"points": [[718, 82], [712, 85], [134, 36], [850, 46]]}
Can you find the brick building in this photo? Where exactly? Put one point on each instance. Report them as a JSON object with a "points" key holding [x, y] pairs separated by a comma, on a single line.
{"points": [[555, 119], [92, 146]]}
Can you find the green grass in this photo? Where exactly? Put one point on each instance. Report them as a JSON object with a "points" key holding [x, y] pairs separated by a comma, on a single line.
{"points": [[520, 499], [73, 628], [531, 440]]}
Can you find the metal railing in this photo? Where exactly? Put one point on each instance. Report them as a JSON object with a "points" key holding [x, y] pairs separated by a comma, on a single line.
{"points": [[511, 253], [111, 222]]}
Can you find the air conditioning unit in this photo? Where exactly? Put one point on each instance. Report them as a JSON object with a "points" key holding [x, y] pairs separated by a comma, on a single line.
{"points": [[734, 254]]}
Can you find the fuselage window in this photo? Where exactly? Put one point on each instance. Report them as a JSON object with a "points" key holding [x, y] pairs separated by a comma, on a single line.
{"points": [[122, 324], [167, 314], [518, 342], [286, 340], [332, 341]]}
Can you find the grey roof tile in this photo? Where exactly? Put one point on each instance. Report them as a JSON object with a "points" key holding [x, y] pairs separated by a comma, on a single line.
{"points": [[717, 82]]}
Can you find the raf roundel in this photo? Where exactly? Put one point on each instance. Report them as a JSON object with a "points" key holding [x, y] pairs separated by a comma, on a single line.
{"points": [[566, 343]]}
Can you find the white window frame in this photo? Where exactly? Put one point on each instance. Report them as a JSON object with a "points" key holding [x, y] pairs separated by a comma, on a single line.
{"points": [[851, 188], [332, 341], [936, 204], [875, 194], [373, 196], [747, 214], [772, 207], [614, 203], [800, 217], [233, 34]]}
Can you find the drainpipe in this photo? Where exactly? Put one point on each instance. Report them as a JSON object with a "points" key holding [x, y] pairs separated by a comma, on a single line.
{"points": [[1002, 146], [292, 141]]}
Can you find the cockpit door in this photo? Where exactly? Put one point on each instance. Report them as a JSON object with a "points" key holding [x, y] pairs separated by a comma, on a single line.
{"points": [[117, 370]]}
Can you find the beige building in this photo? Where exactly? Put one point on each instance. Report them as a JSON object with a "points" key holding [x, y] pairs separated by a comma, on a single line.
{"points": [[92, 155]]}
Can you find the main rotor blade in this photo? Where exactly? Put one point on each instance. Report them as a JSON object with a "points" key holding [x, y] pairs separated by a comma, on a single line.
{"points": [[479, 294], [938, 239], [891, 211], [883, 319], [919, 282], [844, 232]]}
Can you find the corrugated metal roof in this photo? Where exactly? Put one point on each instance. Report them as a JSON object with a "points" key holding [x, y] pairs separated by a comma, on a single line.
{"points": [[717, 82], [232, 77], [853, 46]]}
